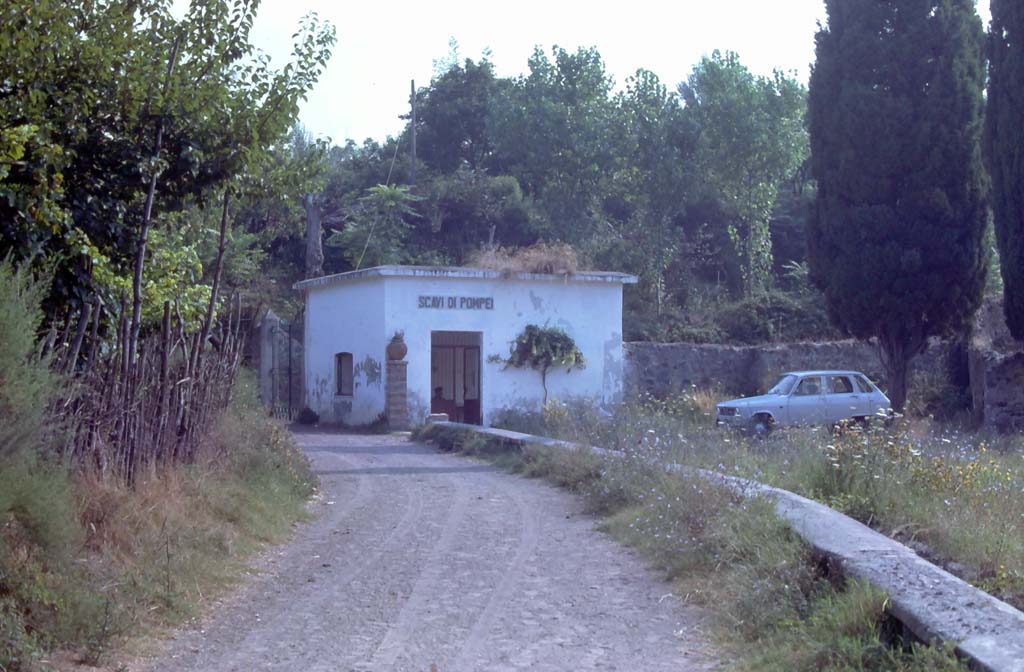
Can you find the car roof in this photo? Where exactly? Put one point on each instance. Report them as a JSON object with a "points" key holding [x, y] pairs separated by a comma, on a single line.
{"points": [[824, 372]]}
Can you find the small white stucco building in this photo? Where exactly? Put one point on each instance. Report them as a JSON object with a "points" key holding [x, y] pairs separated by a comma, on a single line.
{"points": [[458, 325]]}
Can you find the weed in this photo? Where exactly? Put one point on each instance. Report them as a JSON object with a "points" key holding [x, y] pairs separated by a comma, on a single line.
{"points": [[84, 560]]}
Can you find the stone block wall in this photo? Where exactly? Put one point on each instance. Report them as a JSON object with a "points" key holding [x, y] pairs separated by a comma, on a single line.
{"points": [[997, 386], [663, 369]]}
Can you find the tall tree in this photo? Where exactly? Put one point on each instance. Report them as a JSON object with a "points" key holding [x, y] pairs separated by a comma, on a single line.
{"points": [[1005, 152], [558, 132], [119, 109], [452, 116], [896, 102], [751, 141]]}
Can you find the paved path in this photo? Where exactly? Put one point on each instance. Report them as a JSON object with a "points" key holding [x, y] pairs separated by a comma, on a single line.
{"points": [[425, 561]]}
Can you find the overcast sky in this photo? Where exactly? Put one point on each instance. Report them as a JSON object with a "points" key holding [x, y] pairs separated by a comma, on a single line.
{"points": [[383, 45]]}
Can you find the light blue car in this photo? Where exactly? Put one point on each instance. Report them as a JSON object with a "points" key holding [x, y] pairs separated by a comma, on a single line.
{"points": [[806, 398]]}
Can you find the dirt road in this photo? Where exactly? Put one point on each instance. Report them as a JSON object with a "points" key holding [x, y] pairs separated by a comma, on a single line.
{"points": [[423, 561]]}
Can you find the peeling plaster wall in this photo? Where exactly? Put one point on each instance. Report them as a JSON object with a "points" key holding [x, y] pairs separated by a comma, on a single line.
{"points": [[590, 312], [346, 318]]}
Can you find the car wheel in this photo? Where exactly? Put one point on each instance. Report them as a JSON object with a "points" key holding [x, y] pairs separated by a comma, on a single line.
{"points": [[761, 426]]}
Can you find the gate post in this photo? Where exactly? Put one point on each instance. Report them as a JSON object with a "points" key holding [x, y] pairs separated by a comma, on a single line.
{"points": [[396, 404]]}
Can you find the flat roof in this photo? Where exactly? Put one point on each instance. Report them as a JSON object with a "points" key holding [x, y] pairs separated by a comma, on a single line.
{"points": [[461, 273], [824, 372]]}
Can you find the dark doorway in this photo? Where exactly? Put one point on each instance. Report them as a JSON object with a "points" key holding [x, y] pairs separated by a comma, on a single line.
{"points": [[455, 375]]}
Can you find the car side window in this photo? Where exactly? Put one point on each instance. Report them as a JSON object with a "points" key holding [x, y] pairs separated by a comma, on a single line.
{"points": [[808, 387], [865, 386], [840, 385]]}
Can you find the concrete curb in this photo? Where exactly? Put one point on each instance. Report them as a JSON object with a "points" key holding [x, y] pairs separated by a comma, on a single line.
{"points": [[930, 602]]}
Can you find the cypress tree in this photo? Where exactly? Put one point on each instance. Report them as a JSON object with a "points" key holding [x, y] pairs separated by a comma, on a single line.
{"points": [[1004, 144], [895, 113]]}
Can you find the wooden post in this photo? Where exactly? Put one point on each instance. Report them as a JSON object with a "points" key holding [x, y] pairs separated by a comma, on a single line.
{"points": [[412, 98]]}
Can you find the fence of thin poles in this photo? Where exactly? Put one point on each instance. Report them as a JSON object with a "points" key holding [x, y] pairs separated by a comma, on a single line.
{"points": [[123, 416]]}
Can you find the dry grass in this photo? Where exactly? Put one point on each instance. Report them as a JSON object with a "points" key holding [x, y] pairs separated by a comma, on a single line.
{"points": [[86, 562], [547, 258]]}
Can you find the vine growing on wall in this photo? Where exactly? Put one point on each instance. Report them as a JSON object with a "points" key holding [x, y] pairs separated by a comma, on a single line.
{"points": [[543, 349]]}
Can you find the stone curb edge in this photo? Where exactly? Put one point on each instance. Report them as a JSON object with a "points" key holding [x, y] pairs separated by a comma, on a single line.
{"points": [[931, 603]]}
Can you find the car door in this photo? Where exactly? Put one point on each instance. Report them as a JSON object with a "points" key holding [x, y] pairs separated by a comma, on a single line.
{"points": [[807, 402], [843, 399], [874, 400]]}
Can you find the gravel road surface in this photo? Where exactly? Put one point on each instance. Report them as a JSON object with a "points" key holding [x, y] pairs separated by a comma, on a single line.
{"points": [[425, 561]]}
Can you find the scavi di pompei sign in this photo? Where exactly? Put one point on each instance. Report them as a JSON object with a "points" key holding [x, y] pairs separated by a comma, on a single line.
{"points": [[456, 303]]}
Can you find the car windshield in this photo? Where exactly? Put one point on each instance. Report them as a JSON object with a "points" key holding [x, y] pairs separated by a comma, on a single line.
{"points": [[784, 386]]}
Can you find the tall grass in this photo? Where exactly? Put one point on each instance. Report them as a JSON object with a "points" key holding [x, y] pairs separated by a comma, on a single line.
{"points": [[955, 496], [773, 607], [85, 560]]}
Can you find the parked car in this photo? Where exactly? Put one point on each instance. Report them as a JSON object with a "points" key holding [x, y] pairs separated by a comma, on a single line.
{"points": [[806, 398]]}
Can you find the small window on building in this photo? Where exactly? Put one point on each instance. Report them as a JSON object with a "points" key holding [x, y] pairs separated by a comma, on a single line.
{"points": [[343, 373]]}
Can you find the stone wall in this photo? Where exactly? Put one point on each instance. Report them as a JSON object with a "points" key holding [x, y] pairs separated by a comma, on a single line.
{"points": [[663, 369], [997, 386]]}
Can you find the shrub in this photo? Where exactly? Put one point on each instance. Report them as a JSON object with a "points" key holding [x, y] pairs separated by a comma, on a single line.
{"points": [[26, 383], [775, 316], [307, 416]]}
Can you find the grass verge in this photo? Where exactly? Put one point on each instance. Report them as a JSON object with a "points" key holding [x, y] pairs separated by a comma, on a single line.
{"points": [[773, 607], [955, 496], [86, 563]]}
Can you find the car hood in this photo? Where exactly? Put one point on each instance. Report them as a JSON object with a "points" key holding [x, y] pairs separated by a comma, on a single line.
{"points": [[761, 400]]}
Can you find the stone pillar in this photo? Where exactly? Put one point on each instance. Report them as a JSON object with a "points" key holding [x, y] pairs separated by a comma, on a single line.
{"points": [[396, 389]]}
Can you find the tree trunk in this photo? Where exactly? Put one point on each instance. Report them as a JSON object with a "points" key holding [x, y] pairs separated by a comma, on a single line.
{"points": [[544, 384], [896, 357], [314, 237], [147, 214]]}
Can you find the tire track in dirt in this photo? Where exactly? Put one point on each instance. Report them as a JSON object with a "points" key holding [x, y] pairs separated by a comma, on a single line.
{"points": [[426, 584], [525, 547], [429, 558]]}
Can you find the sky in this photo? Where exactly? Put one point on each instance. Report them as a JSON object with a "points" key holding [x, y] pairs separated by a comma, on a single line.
{"points": [[383, 45]]}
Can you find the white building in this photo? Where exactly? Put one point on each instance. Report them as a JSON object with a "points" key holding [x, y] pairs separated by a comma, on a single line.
{"points": [[458, 324]]}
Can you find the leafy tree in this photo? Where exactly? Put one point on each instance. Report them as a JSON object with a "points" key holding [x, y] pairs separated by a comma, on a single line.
{"points": [[895, 122], [751, 140], [452, 117], [558, 132], [377, 233], [1004, 136], [644, 198], [120, 114], [543, 349], [470, 209]]}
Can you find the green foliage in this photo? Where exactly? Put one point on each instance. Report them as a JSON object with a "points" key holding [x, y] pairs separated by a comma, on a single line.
{"points": [[83, 560], [452, 117], [543, 349], [732, 555], [774, 317], [1004, 121], [84, 86], [896, 242], [556, 130], [27, 385], [751, 139], [377, 233]]}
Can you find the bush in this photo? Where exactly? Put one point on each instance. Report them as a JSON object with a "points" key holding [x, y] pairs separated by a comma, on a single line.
{"points": [[26, 383], [775, 316]]}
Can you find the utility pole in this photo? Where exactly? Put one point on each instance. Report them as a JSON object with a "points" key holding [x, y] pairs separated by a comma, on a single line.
{"points": [[412, 98]]}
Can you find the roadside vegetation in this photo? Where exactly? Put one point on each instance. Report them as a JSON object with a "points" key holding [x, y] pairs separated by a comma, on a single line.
{"points": [[953, 495], [773, 606], [87, 558]]}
